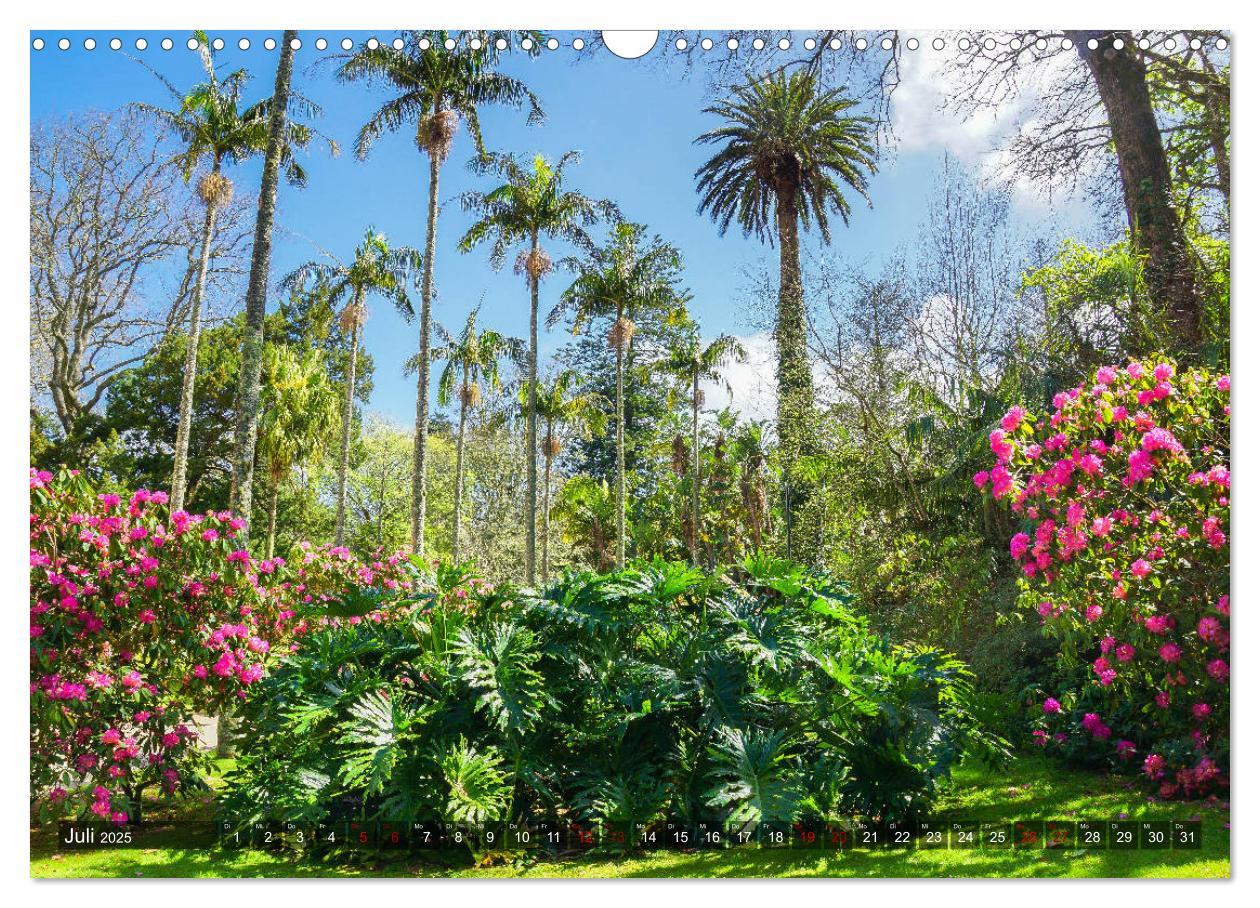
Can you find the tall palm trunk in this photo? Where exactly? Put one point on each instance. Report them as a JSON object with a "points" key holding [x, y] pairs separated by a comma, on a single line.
{"points": [[250, 381], [546, 504], [419, 475], [795, 385], [459, 468], [531, 424], [271, 519], [621, 457], [695, 461], [179, 479], [347, 419]]}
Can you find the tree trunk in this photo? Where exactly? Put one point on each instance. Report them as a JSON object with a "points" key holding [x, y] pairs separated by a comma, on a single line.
{"points": [[179, 479], [249, 385], [546, 508], [531, 428], [419, 474], [621, 457], [1120, 76], [271, 521], [347, 421], [459, 469], [695, 463], [795, 384]]}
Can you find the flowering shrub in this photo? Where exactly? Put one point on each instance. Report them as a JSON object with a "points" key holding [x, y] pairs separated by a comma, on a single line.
{"points": [[1124, 493], [140, 617]]}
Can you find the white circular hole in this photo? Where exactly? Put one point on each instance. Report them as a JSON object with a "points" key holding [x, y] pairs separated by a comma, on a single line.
{"points": [[218, 44], [115, 44], [425, 44], [1066, 44], [89, 44], [475, 44], [141, 44], [758, 44], [193, 44], [733, 43], [346, 44], [1041, 44], [784, 44], [1015, 44], [296, 43], [1117, 44], [989, 44], [707, 44], [243, 44], [270, 44], [64, 44], [449, 43], [913, 44], [834, 43], [552, 44], [501, 44], [938, 43], [861, 43], [886, 44], [1170, 44], [1092, 44], [1144, 43], [964, 43], [1221, 44], [321, 44], [373, 44], [810, 43], [681, 44], [578, 44], [167, 44], [1195, 44], [527, 44], [397, 44], [38, 44]]}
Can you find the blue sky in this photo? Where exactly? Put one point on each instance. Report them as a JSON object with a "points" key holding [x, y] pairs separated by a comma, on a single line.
{"points": [[633, 121]]}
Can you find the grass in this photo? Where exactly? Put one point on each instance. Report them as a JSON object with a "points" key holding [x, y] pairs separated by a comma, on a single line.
{"points": [[1029, 788]]}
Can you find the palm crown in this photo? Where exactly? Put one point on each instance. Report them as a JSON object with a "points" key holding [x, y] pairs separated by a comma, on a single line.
{"points": [[213, 125], [691, 360], [627, 276], [376, 267], [435, 87], [473, 353], [785, 142], [531, 202], [561, 401]]}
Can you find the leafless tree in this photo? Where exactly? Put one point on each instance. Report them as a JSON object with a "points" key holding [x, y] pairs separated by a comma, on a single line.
{"points": [[113, 255]]}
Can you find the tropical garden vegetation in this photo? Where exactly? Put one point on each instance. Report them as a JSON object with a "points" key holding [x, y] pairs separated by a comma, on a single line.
{"points": [[990, 515]]}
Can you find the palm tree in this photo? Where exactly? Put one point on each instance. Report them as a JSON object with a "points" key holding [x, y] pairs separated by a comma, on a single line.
{"points": [[473, 355], [298, 414], [560, 403], [434, 88], [282, 133], [690, 361], [788, 147], [529, 205], [215, 130], [376, 268], [627, 278]]}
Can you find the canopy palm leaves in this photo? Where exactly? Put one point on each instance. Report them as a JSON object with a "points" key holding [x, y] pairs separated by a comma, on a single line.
{"points": [[560, 403], [215, 129], [530, 204], [298, 414], [433, 87], [690, 361], [627, 278], [471, 357], [789, 150], [376, 268]]}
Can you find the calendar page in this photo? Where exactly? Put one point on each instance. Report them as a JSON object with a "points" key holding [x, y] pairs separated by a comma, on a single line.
{"points": [[699, 453]]}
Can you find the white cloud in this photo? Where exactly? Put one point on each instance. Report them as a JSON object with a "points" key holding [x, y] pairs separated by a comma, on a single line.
{"points": [[753, 386]]}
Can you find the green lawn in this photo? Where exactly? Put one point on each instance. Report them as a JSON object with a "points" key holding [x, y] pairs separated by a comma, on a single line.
{"points": [[1030, 788]]}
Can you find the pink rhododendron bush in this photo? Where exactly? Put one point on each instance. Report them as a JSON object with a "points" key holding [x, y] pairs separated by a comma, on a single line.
{"points": [[141, 617], [1123, 492]]}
